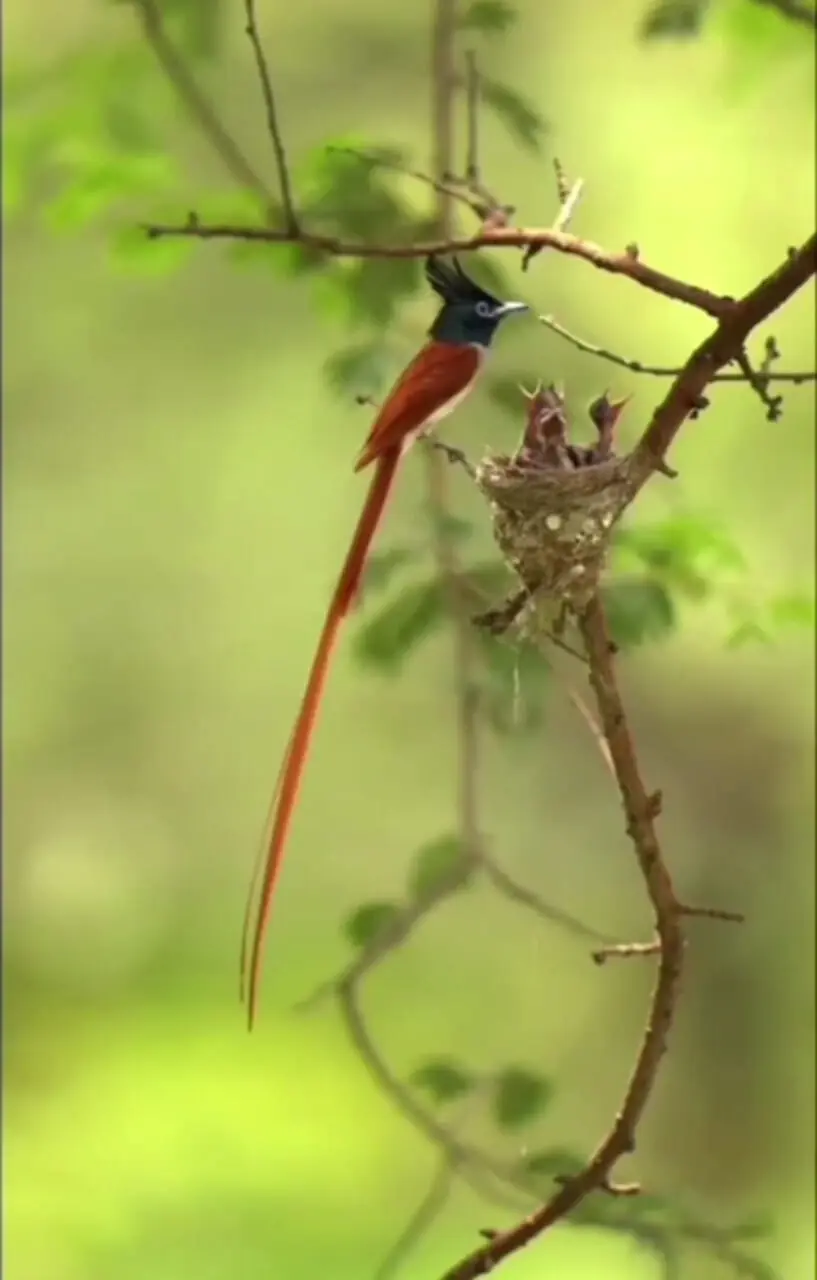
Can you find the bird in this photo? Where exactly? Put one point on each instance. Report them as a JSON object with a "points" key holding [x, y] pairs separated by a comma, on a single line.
{"points": [[431, 386]]}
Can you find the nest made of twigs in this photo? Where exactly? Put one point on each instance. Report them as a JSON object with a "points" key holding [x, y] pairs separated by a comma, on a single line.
{"points": [[554, 525]]}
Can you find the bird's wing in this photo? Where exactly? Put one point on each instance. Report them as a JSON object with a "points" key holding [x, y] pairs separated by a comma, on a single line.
{"points": [[440, 372]]}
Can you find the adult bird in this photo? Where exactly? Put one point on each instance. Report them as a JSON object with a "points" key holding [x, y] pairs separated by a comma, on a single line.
{"points": [[438, 378]]}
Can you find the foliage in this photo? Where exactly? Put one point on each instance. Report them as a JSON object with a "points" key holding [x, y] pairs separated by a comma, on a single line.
{"points": [[443, 1080], [86, 139], [369, 922], [518, 1096]]}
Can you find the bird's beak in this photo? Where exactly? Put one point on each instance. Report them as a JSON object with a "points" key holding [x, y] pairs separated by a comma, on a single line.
{"points": [[513, 308], [617, 407]]}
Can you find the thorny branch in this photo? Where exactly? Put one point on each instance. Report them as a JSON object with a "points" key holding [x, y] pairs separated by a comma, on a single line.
{"points": [[504, 1182]]}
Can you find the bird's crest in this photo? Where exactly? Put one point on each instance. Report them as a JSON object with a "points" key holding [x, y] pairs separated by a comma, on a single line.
{"points": [[451, 284]]}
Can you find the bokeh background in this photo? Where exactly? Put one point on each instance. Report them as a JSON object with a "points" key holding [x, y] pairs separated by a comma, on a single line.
{"points": [[177, 488]]}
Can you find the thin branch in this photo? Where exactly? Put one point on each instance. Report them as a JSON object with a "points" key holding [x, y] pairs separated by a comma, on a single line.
{"points": [[422, 1219], [626, 950], [660, 371], [198, 106], [619, 264], [524, 897], [273, 126], [725, 344]]}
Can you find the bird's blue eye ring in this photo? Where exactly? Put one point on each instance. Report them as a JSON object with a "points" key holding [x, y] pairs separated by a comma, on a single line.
{"points": [[484, 309]]}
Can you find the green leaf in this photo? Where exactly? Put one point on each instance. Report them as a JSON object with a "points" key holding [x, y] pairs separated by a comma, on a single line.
{"points": [[357, 369], [638, 610], [397, 630], [747, 632], [519, 116], [519, 1096], [369, 923], [757, 40], [686, 551], [792, 611], [133, 251], [759, 1227], [366, 293], [293, 261], [491, 17], [438, 864], [443, 1080], [553, 1163], [353, 194], [673, 20], [383, 566]]}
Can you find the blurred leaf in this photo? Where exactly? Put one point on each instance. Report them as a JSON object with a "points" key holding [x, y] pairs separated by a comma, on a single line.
{"points": [[367, 924], [504, 390], [366, 292], [519, 116], [638, 610], [132, 249], [747, 632], [673, 20], [553, 1163], [358, 369], [488, 16], [296, 260], [684, 550], [455, 527], [350, 193], [436, 865], [757, 39], [443, 1080], [792, 611], [519, 1095], [401, 626], [99, 181], [383, 566], [758, 1227]]}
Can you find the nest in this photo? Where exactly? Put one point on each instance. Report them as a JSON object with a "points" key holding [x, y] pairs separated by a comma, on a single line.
{"points": [[554, 526], [554, 507]]}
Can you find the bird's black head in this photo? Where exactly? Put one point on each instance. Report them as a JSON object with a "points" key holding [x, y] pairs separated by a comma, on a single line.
{"points": [[469, 313]]}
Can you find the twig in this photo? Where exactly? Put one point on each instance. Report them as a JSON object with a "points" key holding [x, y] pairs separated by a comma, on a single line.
{"points": [[173, 65], [713, 913], [661, 371], [422, 1219], [524, 897], [626, 950], [727, 341], [455, 188], [273, 127], [620, 264]]}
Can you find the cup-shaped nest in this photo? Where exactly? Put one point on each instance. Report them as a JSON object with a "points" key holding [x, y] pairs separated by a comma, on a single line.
{"points": [[553, 525]]}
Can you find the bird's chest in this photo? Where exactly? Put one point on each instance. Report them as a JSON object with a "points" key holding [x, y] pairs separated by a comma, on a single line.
{"points": [[448, 406]]}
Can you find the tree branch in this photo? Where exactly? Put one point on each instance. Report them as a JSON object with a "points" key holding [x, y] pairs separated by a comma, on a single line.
{"points": [[725, 344], [641, 810], [664, 371], [620, 264]]}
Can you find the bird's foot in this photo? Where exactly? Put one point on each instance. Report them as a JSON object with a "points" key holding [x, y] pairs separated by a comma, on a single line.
{"points": [[455, 456]]}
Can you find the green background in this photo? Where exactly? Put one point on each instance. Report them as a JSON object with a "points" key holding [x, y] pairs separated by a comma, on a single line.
{"points": [[177, 488]]}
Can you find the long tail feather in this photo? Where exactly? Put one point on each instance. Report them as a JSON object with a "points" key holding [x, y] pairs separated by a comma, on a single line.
{"points": [[289, 779]]}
